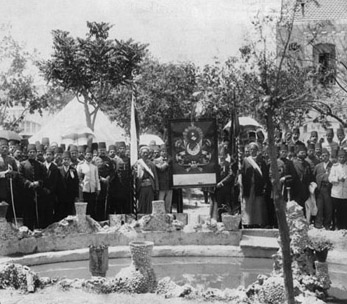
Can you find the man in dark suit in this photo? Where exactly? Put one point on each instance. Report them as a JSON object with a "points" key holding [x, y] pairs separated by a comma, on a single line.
{"points": [[302, 178], [34, 175], [52, 184], [8, 171], [70, 182], [324, 204]]}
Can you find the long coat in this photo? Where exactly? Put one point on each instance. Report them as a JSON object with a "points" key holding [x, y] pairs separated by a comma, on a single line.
{"points": [[34, 208], [70, 186]]}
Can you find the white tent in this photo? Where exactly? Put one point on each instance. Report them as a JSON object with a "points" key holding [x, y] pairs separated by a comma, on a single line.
{"points": [[69, 126]]}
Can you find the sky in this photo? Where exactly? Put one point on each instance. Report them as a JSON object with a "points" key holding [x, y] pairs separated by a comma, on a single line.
{"points": [[200, 31]]}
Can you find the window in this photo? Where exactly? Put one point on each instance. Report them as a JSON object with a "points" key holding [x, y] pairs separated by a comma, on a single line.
{"points": [[324, 56]]}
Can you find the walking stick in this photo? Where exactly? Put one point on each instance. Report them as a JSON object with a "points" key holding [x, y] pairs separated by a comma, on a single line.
{"points": [[36, 208], [106, 200], [13, 206]]}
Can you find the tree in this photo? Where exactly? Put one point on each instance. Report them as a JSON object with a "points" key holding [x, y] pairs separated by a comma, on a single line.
{"points": [[93, 67], [18, 85], [164, 91]]}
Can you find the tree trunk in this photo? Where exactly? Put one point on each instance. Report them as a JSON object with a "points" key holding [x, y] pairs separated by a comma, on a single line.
{"points": [[280, 207], [87, 113]]}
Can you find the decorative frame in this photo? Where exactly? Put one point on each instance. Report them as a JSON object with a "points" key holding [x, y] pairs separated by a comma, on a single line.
{"points": [[193, 148]]}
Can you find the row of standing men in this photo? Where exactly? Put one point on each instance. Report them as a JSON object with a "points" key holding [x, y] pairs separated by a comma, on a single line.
{"points": [[43, 184]]}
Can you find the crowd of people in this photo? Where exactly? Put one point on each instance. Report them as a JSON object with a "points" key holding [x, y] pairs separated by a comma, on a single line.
{"points": [[314, 174], [42, 181]]}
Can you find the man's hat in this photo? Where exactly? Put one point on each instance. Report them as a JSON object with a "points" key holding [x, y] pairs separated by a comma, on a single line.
{"points": [[13, 142], [24, 142], [66, 154], [3, 141], [296, 130], [63, 146], [300, 148], [50, 150], [81, 149], [341, 152], [318, 145], [112, 147], [120, 144], [40, 148], [45, 141], [314, 133], [32, 147], [330, 131], [89, 150], [325, 150], [94, 146], [73, 148], [143, 148], [102, 145], [58, 150], [310, 147]]}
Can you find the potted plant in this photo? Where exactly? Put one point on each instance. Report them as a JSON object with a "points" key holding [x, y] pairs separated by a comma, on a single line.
{"points": [[319, 244]]}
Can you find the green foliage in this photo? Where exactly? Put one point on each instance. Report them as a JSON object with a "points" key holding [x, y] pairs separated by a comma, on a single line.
{"points": [[93, 66], [17, 83]]}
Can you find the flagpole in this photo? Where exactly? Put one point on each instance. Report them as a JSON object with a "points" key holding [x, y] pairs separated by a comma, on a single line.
{"points": [[134, 142]]}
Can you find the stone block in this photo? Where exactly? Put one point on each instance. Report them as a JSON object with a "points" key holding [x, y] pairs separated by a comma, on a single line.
{"points": [[182, 217]]}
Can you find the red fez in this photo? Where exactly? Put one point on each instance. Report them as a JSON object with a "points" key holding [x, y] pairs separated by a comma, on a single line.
{"points": [[58, 150], [89, 150], [341, 153], [325, 150], [314, 133], [40, 148], [296, 130], [330, 131], [300, 148], [283, 147]]}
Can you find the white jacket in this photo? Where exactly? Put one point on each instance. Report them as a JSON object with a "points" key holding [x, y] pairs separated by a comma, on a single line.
{"points": [[89, 177], [339, 188]]}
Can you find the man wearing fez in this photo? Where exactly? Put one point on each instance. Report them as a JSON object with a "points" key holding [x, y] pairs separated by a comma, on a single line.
{"points": [[324, 204], [12, 144], [52, 185], [313, 138], [8, 170], [89, 182], [302, 178], [331, 145], [147, 184], [162, 164], [70, 186], [120, 195], [40, 149], [296, 138], [58, 156], [311, 157], [74, 154], [80, 154], [318, 150], [106, 171], [34, 175]]}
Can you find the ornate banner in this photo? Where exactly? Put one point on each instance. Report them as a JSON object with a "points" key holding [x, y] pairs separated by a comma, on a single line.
{"points": [[194, 152]]}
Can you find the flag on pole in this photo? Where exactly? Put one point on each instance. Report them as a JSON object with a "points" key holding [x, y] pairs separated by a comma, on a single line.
{"points": [[134, 132]]}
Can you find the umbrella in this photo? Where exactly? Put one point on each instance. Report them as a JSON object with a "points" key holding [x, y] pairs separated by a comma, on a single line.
{"points": [[77, 132], [145, 139], [10, 135], [244, 121]]}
